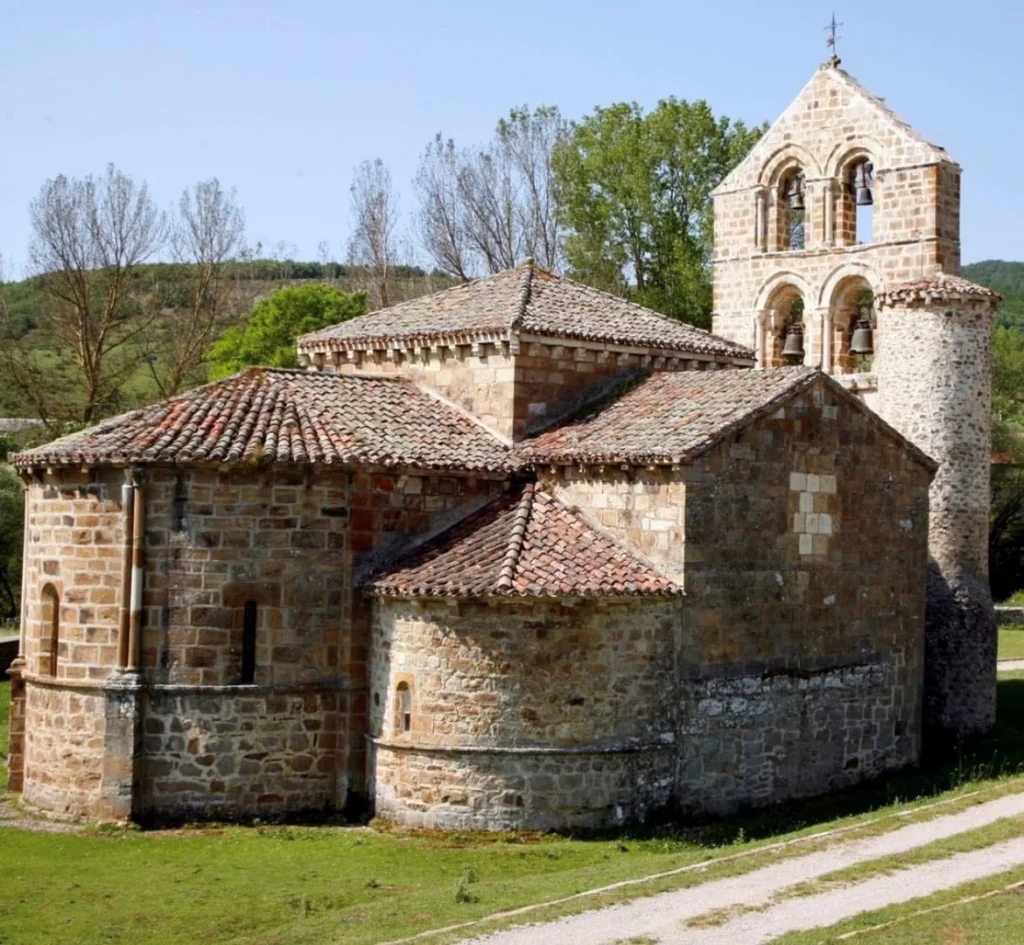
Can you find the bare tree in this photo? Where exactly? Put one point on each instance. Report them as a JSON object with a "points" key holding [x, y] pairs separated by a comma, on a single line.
{"points": [[485, 209], [441, 216], [207, 234], [88, 237], [374, 246]]}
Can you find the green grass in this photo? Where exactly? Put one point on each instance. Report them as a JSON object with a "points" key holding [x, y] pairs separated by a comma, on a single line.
{"points": [[942, 919], [1011, 642], [1015, 600], [296, 885]]}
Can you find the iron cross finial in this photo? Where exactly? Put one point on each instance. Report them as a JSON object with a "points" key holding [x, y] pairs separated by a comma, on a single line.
{"points": [[832, 37]]}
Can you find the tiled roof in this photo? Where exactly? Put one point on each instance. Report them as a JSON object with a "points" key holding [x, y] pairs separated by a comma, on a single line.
{"points": [[940, 285], [268, 415], [524, 544], [669, 417], [523, 301]]}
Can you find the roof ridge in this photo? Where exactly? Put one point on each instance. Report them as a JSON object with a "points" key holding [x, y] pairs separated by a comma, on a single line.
{"points": [[525, 287], [507, 573]]}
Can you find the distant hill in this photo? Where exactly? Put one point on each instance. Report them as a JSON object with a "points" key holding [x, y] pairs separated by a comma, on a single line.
{"points": [[161, 284], [1007, 278]]}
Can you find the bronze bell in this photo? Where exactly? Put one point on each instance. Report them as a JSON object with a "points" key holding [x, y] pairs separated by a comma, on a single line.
{"points": [[794, 346], [862, 341], [795, 193], [862, 184]]}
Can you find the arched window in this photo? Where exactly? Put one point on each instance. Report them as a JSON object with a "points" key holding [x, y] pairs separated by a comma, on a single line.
{"points": [[792, 211], [50, 642], [403, 709], [782, 338], [856, 202], [249, 617], [854, 331], [861, 186]]}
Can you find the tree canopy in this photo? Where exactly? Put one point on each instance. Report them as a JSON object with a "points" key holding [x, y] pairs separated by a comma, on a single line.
{"points": [[11, 505], [268, 332], [636, 200]]}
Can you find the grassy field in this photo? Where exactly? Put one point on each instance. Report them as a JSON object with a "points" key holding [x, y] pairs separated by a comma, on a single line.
{"points": [[274, 885], [1011, 642]]}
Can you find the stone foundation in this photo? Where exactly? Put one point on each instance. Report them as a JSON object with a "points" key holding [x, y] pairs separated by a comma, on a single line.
{"points": [[525, 789], [748, 741], [240, 751]]}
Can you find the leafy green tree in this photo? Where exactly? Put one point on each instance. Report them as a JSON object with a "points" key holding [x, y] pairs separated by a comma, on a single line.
{"points": [[1008, 393], [268, 333], [11, 512], [635, 192]]}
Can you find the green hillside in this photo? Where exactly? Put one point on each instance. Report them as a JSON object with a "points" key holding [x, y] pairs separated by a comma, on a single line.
{"points": [[1004, 277], [162, 288]]}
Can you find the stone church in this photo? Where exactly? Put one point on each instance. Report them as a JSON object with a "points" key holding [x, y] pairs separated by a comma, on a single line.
{"points": [[523, 555]]}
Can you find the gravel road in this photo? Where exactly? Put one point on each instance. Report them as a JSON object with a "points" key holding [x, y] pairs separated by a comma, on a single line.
{"points": [[664, 916]]}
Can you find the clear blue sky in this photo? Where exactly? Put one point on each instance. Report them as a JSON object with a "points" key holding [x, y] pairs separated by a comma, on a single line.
{"points": [[281, 100]]}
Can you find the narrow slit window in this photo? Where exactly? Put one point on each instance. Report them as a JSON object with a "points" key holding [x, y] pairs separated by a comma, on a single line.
{"points": [[403, 723], [51, 626], [249, 643]]}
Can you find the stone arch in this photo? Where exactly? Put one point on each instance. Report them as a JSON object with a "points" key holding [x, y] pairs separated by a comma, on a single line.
{"points": [[841, 300], [784, 159], [790, 165], [849, 227], [848, 151], [776, 303]]}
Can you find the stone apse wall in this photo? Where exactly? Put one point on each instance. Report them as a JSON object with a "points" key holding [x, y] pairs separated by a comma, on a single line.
{"points": [[526, 714], [793, 666], [194, 738]]}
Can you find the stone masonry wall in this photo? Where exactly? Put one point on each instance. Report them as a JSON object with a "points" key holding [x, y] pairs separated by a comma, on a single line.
{"points": [[645, 508], [803, 638], [478, 378], [223, 753], [935, 387], [916, 213], [64, 749], [525, 714], [516, 392], [296, 541], [73, 546]]}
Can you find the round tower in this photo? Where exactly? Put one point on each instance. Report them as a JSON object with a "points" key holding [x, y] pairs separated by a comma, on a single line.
{"points": [[934, 374]]}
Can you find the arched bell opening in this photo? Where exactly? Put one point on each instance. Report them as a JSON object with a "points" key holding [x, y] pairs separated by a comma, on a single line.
{"points": [[855, 223], [854, 327], [785, 335], [791, 210]]}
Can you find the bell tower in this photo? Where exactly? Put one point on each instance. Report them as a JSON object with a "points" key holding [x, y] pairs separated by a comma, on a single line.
{"points": [[837, 245]]}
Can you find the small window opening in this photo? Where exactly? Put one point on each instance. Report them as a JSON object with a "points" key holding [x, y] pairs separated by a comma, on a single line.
{"points": [[51, 626], [404, 706], [249, 643]]}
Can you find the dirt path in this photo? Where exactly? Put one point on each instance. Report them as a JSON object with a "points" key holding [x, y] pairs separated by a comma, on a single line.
{"points": [[797, 915], [663, 917]]}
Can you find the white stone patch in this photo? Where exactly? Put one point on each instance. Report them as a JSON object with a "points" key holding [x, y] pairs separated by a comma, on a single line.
{"points": [[810, 520], [830, 600]]}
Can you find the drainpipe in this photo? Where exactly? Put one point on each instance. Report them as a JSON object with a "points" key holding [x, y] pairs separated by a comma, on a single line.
{"points": [[124, 617], [138, 574], [23, 615]]}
